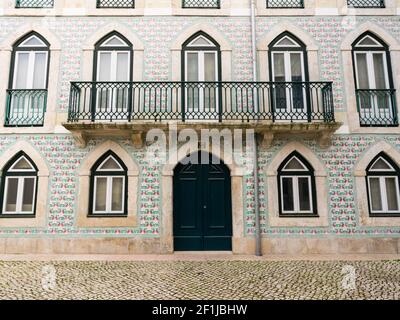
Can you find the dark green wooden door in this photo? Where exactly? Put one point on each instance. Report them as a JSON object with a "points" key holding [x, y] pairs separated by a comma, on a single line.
{"points": [[202, 207]]}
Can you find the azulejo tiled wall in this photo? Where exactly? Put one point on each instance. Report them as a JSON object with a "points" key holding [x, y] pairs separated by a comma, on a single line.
{"points": [[64, 159]]}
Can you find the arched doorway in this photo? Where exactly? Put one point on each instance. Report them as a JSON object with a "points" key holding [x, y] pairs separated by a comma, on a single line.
{"points": [[202, 206]]}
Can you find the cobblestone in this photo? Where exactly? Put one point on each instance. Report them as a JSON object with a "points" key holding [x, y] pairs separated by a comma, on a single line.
{"points": [[198, 280]]}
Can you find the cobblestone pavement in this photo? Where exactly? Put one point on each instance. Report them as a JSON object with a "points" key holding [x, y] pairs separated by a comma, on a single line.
{"points": [[200, 280]]}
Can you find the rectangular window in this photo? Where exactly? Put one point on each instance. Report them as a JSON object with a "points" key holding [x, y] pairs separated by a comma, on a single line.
{"points": [[285, 4], [19, 195], [109, 195], [296, 195], [203, 4], [34, 4]]}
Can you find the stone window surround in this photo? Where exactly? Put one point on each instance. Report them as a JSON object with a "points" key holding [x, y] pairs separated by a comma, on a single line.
{"points": [[309, 42], [353, 120], [225, 48], [6, 49], [361, 185], [39, 220], [321, 185], [239, 242], [84, 172]]}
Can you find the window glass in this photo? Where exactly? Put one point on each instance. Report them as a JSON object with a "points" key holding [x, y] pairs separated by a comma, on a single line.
{"points": [[376, 201], [117, 193], [304, 194], [287, 192], [101, 194], [28, 194]]}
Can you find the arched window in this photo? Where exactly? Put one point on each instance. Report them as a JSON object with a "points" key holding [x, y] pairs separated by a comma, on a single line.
{"points": [[28, 81], [373, 78], [201, 62], [109, 185], [288, 63], [112, 69], [383, 186], [18, 186], [296, 185]]}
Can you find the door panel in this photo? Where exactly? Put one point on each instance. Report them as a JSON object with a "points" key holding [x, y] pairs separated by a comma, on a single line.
{"points": [[202, 207]]}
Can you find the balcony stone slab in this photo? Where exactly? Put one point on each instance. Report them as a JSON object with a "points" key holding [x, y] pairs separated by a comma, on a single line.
{"points": [[268, 131]]}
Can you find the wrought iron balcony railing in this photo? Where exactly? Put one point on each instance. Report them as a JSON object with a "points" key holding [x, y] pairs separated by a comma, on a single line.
{"points": [[34, 3], [366, 3], [115, 4], [377, 108], [201, 4], [219, 101], [285, 4], [25, 107]]}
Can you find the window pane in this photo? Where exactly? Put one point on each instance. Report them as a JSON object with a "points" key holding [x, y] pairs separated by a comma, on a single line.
{"points": [[104, 66], [209, 67], [391, 191], [381, 164], [12, 189], [22, 70], [28, 195], [279, 67], [101, 194], [39, 73], [379, 69], [304, 194], [117, 194], [362, 71], [122, 66], [192, 67], [287, 194], [375, 191]]}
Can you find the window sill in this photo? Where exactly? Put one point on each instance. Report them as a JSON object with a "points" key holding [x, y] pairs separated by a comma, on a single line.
{"points": [[17, 216], [294, 215]]}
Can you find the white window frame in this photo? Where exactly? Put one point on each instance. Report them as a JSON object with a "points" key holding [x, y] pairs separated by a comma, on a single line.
{"points": [[20, 194], [31, 68], [371, 69], [296, 194], [383, 193], [108, 195]]}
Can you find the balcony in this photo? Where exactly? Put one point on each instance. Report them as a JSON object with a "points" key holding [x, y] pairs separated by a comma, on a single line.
{"points": [[25, 107], [377, 108], [282, 107]]}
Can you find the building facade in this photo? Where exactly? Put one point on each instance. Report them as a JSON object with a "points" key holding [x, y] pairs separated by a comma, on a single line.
{"points": [[83, 82]]}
